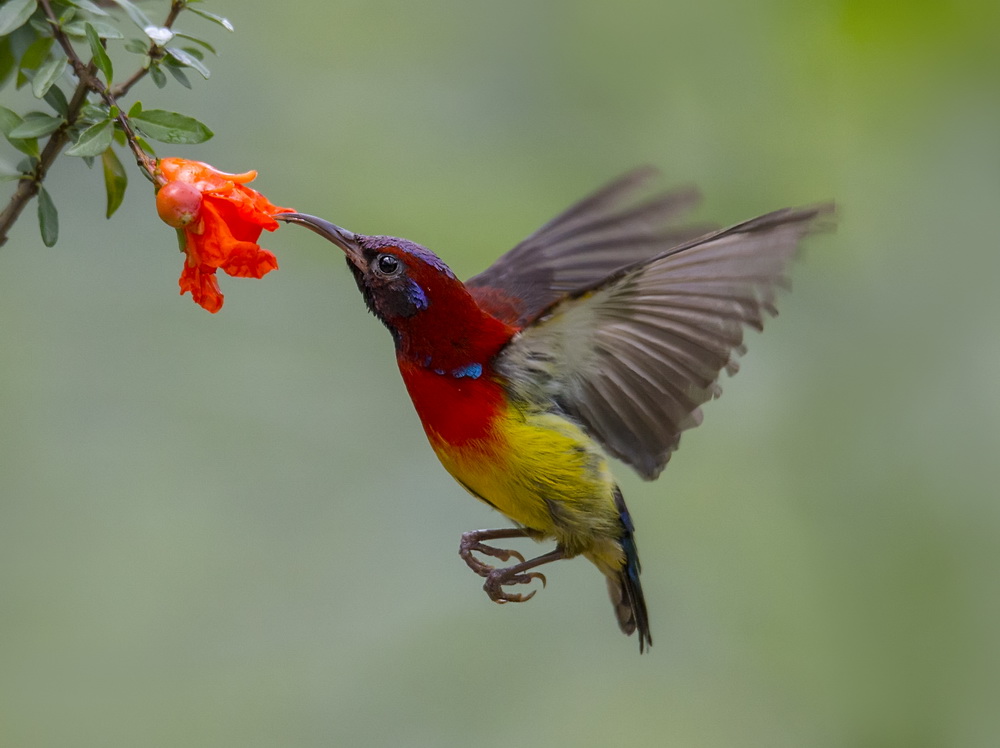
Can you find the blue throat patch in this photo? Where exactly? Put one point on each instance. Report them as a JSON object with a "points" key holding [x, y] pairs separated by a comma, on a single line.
{"points": [[472, 371]]}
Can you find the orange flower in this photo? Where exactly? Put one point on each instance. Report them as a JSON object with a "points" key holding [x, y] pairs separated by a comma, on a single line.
{"points": [[218, 220]]}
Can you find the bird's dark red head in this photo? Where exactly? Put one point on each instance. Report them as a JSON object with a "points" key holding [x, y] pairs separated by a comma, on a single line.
{"points": [[431, 315], [398, 278]]}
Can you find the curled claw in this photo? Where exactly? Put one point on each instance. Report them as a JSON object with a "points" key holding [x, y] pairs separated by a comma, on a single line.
{"points": [[497, 578], [470, 544], [504, 554], [487, 550]]}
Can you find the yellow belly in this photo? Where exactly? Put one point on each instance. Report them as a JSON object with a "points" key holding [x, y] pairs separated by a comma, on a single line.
{"points": [[543, 472]]}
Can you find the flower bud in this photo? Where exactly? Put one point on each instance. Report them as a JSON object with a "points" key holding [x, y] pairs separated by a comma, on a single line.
{"points": [[178, 204]]}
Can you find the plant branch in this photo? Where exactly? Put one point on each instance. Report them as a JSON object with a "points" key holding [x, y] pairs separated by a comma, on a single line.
{"points": [[30, 183], [155, 52], [90, 79]]}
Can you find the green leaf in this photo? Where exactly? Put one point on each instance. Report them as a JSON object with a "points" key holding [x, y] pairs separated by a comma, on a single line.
{"points": [[88, 6], [115, 180], [196, 40], [101, 58], [22, 38], [137, 46], [178, 75], [188, 60], [8, 63], [47, 75], [135, 108], [139, 18], [27, 146], [56, 99], [8, 121], [94, 140], [48, 218], [223, 22], [91, 112], [78, 29], [144, 144], [14, 14], [35, 125], [40, 25], [156, 73], [171, 127], [36, 53]]}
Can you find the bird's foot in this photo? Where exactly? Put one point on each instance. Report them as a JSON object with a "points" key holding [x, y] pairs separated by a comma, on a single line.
{"points": [[496, 579], [471, 544]]}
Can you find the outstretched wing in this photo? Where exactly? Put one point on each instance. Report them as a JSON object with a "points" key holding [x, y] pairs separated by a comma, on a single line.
{"points": [[633, 357], [591, 240]]}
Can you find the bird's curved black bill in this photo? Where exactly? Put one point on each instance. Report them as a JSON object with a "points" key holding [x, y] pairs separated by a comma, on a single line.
{"points": [[346, 240]]}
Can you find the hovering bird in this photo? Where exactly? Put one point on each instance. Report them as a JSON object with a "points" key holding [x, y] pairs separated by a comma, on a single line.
{"points": [[599, 335]]}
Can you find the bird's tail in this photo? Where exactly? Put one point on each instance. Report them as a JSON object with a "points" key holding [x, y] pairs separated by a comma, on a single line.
{"points": [[624, 586]]}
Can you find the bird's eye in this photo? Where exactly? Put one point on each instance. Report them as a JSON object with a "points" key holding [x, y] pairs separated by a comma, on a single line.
{"points": [[387, 265]]}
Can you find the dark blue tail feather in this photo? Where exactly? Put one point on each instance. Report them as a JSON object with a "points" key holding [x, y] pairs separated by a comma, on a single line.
{"points": [[630, 604]]}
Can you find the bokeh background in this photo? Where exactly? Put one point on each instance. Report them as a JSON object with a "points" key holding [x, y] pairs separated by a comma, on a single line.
{"points": [[229, 530]]}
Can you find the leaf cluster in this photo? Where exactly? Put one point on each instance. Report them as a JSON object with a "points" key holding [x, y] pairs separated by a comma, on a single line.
{"points": [[60, 49]]}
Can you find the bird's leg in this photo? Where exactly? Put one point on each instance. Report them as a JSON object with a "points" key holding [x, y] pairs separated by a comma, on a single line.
{"points": [[518, 574], [472, 542]]}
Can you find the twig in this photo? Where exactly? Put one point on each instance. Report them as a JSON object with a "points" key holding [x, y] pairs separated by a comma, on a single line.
{"points": [[154, 52], [30, 183], [88, 78]]}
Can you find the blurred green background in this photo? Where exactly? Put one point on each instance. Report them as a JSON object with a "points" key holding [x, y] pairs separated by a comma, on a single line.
{"points": [[229, 530]]}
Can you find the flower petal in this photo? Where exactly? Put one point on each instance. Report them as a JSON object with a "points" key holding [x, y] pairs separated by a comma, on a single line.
{"points": [[203, 286], [210, 242], [250, 261], [238, 214], [226, 230], [202, 174]]}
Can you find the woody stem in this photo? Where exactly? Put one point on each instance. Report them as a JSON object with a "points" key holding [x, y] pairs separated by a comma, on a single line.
{"points": [[30, 182], [86, 76], [154, 52]]}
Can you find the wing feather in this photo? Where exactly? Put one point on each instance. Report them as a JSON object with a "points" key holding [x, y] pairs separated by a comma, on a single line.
{"points": [[634, 355], [588, 242]]}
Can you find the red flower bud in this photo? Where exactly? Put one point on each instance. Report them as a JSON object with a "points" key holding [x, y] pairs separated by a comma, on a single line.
{"points": [[178, 204]]}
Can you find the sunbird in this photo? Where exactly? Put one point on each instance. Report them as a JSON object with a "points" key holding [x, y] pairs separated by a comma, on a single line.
{"points": [[598, 336]]}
